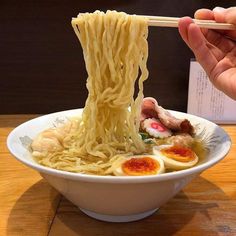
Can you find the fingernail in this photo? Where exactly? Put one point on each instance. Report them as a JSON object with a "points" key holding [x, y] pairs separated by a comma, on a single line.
{"points": [[218, 9]]}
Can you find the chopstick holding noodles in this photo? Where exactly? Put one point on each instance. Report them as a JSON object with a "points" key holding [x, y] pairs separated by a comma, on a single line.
{"points": [[161, 21]]}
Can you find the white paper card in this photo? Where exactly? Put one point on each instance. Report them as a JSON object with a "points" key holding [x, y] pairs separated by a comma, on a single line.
{"points": [[206, 101]]}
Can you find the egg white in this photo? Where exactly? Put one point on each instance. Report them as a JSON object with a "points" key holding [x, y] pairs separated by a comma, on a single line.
{"points": [[119, 172], [173, 164]]}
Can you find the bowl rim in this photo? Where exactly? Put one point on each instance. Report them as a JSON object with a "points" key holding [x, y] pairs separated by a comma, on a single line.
{"points": [[116, 179]]}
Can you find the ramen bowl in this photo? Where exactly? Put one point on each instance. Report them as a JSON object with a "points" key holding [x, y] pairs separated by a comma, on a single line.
{"points": [[117, 198]]}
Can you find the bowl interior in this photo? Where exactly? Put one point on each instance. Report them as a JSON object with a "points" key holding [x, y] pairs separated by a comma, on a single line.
{"points": [[216, 139]]}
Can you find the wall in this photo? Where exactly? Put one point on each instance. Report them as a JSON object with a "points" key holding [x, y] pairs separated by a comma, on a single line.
{"points": [[41, 63]]}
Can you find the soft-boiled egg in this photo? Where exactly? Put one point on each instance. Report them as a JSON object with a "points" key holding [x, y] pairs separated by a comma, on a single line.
{"points": [[140, 165], [176, 157]]}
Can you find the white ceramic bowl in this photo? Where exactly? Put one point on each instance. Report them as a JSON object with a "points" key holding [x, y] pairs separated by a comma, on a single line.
{"points": [[113, 198]]}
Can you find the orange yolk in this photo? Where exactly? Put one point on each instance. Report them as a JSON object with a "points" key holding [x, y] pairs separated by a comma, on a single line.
{"points": [[178, 153], [140, 166]]}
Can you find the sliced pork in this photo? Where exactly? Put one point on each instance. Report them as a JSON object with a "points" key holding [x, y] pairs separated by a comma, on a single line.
{"points": [[151, 109]]}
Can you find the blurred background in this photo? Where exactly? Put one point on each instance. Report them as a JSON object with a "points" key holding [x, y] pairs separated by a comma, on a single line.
{"points": [[41, 62]]}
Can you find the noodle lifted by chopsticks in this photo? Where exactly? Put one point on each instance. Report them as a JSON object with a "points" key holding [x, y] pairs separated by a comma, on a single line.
{"points": [[115, 51]]}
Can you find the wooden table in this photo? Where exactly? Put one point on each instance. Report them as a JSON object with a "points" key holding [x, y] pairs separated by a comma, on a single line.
{"points": [[30, 206]]}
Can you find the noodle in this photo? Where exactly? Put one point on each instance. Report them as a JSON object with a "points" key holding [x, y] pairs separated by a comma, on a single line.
{"points": [[115, 51]]}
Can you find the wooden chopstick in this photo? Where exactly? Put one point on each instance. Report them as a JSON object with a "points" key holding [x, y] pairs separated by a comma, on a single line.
{"points": [[163, 21]]}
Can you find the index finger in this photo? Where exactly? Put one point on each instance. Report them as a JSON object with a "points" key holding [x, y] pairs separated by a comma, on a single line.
{"points": [[203, 51]]}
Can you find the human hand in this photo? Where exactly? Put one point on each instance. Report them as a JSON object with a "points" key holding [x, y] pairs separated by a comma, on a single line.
{"points": [[215, 50]]}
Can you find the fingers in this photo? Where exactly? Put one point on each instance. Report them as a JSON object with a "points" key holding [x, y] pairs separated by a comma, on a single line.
{"points": [[213, 49], [230, 15], [204, 14], [214, 37], [226, 16], [193, 37], [183, 28], [219, 40], [205, 53], [219, 14]]}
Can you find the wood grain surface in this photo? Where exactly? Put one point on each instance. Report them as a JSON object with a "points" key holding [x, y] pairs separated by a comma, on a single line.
{"points": [[27, 202], [41, 64], [29, 206]]}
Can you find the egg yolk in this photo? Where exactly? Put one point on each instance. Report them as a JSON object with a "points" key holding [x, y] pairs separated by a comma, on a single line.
{"points": [[140, 166], [179, 153]]}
